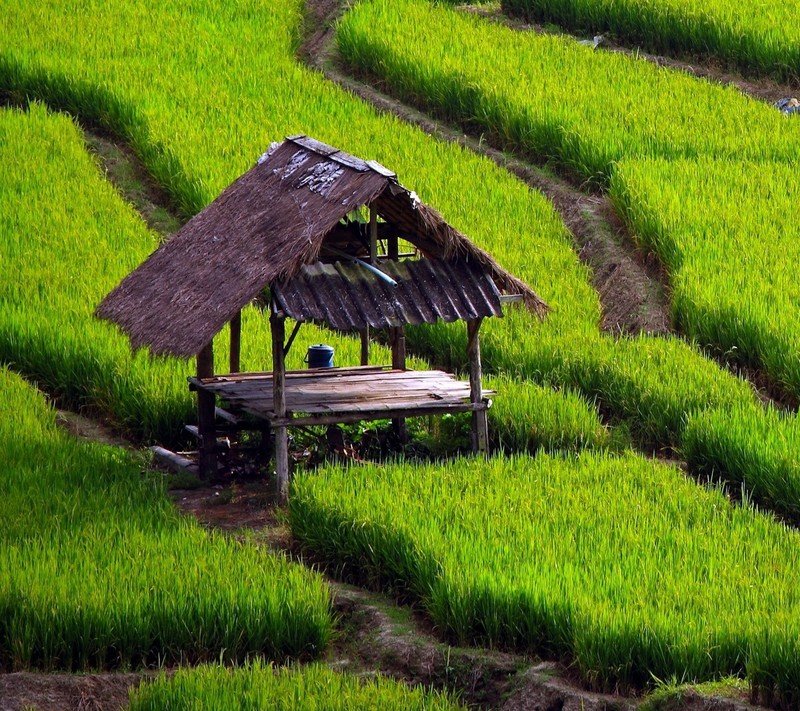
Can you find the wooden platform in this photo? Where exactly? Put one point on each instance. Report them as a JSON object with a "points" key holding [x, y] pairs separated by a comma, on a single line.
{"points": [[334, 395]]}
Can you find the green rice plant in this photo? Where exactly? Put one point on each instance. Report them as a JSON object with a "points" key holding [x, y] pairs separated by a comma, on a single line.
{"points": [[548, 97], [754, 37], [526, 416], [257, 686], [755, 449], [622, 566], [99, 571], [726, 232], [154, 92]]}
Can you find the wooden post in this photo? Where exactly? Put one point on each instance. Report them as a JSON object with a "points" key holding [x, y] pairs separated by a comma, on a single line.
{"points": [[236, 342], [277, 327], [480, 424], [206, 415], [373, 235], [394, 250], [364, 345], [397, 340]]}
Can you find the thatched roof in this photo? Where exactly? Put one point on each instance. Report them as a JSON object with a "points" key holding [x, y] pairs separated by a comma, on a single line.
{"points": [[263, 228]]}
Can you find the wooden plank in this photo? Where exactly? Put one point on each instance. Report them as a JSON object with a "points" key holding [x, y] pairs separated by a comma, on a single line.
{"points": [[305, 372], [351, 396], [227, 416]]}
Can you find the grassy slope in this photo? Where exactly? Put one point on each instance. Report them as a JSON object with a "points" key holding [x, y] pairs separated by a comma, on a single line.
{"points": [[551, 98], [690, 212], [726, 232], [619, 564], [97, 570], [758, 37], [215, 688], [158, 103]]}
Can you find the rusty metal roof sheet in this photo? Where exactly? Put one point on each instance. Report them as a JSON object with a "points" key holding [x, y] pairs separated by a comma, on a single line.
{"points": [[347, 296]]}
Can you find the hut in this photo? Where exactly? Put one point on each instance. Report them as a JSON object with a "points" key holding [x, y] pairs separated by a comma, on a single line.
{"points": [[289, 226]]}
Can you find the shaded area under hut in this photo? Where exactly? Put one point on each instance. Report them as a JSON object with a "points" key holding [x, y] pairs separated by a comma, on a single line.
{"points": [[291, 225]]}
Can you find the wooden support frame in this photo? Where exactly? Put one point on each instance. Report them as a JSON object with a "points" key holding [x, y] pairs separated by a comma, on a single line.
{"points": [[278, 329], [206, 415], [397, 341], [480, 422], [364, 333], [373, 235], [236, 343]]}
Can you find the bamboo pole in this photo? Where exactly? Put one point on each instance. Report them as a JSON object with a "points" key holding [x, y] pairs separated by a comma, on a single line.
{"points": [[480, 423], [278, 329], [206, 415]]}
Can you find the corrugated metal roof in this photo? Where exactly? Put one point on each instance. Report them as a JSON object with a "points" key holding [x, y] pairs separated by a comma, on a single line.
{"points": [[349, 297]]}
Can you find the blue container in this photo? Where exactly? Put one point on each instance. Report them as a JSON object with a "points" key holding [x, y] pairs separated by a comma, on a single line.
{"points": [[320, 356]]}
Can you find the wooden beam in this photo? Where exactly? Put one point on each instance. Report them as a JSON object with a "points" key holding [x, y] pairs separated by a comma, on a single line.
{"points": [[293, 335], [480, 424], [373, 235], [397, 339], [206, 415], [364, 333], [236, 342], [174, 461], [277, 326], [368, 415]]}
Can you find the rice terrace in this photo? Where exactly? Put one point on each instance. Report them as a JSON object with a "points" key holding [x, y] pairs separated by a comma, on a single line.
{"points": [[399, 354]]}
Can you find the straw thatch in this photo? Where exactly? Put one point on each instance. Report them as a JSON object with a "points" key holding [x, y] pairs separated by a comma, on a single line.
{"points": [[263, 228]]}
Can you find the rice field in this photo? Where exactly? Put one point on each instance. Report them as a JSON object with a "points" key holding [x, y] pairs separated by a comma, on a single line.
{"points": [[257, 686], [755, 452], [87, 240], [621, 566], [159, 112], [186, 98], [758, 37], [726, 232], [99, 571], [552, 99]]}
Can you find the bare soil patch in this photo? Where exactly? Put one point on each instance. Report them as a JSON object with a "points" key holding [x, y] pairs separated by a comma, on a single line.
{"points": [[125, 171], [28, 691]]}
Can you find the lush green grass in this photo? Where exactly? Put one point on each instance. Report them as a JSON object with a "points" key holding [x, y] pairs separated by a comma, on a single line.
{"points": [[759, 37], [726, 232], [98, 570], [757, 450], [621, 565], [551, 98], [526, 416], [256, 687]]}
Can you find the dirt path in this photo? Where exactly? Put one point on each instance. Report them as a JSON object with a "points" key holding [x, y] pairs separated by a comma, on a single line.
{"points": [[28, 691]]}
